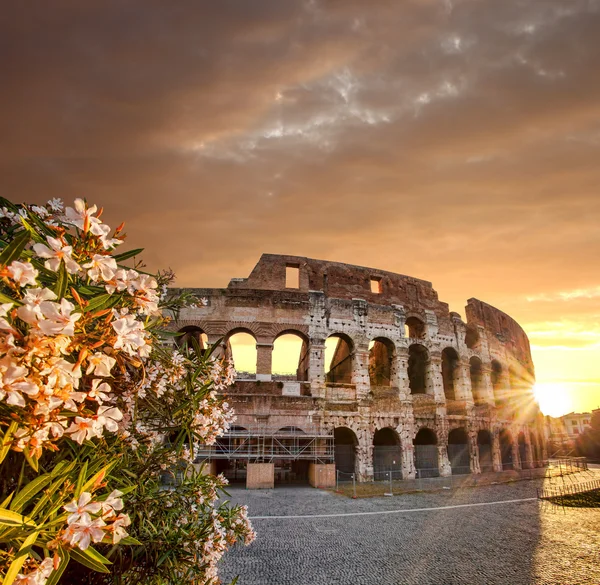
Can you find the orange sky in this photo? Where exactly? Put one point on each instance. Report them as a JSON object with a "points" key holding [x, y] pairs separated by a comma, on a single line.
{"points": [[453, 140]]}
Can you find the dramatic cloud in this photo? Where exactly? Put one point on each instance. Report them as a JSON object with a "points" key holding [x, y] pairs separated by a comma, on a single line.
{"points": [[454, 140]]}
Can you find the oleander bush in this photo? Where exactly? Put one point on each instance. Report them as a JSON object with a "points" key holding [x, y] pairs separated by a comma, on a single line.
{"points": [[96, 411]]}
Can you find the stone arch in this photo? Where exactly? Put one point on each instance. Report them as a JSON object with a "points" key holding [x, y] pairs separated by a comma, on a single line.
{"points": [[387, 454], [426, 453], [476, 375], [450, 372], [341, 364], [291, 355], [382, 353], [497, 382], [506, 449], [345, 447], [414, 327], [418, 368], [190, 332], [458, 451], [240, 348], [471, 336], [484, 447]]}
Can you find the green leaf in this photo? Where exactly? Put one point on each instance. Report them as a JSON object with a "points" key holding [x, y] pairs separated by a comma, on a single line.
{"points": [[57, 573], [20, 558], [130, 541], [81, 479], [33, 462], [126, 255], [103, 472], [6, 299], [10, 518], [7, 440], [102, 302], [91, 558], [14, 249], [29, 492], [63, 281]]}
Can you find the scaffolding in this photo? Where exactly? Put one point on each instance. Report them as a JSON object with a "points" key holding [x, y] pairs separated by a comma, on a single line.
{"points": [[264, 445]]}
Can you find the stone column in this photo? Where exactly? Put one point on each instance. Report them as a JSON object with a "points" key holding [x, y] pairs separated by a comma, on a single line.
{"points": [[444, 461], [463, 390], [486, 384], [516, 457], [435, 383], [364, 456], [264, 356], [496, 454], [402, 380], [360, 371], [529, 464], [316, 367], [474, 452]]}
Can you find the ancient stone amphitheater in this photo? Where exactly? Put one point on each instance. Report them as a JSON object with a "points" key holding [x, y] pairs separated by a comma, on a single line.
{"points": [[408, 388]]}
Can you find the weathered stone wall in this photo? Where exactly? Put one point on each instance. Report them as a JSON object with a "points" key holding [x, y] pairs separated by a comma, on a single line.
{"points": [[491, 381]]}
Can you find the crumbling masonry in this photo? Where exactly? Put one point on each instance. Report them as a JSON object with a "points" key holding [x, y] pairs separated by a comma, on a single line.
{"points": [[411, 389]]}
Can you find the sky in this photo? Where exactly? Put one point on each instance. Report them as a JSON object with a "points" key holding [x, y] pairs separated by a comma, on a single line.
{"points": [[452, 140]]}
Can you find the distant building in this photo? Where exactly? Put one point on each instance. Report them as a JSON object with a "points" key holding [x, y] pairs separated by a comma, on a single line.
{"points": [[562, 432], [576, 423]]}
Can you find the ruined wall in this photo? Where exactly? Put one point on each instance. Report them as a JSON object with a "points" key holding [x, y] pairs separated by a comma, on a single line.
{"points": [[361, 305]]}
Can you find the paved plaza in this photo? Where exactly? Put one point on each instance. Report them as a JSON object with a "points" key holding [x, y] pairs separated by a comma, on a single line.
{"points": [[498, 534]]}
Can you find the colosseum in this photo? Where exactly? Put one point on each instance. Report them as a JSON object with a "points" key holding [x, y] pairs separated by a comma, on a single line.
{"points": [[387, 380]]}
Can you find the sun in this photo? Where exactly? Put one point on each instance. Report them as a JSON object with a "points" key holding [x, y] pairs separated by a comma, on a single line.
{"points": [[553, 397]]}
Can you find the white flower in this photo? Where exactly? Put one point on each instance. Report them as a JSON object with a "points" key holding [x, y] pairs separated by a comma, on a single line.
{"points": [[101, 364], [22, 273], [82, 508], [100, 392], [56, 204], [117, 527], [109, 416], [83, 532], [131, 336], [101, 266], [39, 576], [4, 324], [84, 428], [83, 217], [41, 211], [14, 383], [112, 503], [58, 318], [30, 311], [55, 254]]}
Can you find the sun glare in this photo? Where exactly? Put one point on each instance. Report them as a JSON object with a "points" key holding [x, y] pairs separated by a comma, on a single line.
{"points": [[553, 397]]}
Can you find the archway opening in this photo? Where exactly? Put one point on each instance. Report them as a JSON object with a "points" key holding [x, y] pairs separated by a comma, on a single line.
{"points": [[345, 443], [426, 454], [458, 452], [290, 357], [506, 451], [523, 451], [414, 328], [418, 362], [381, 356], [289, 444], [190, 333], [241, 350], [484, 446], [236, 441], [497, 383], [449, 372], [536, 452], [476, 374], [339, 351], [387, 455]]}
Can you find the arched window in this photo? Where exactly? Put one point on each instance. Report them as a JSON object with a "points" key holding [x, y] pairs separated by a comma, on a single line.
{"points": [[497, 383], [186, 334], [241, 349], [449, 372], [414, 328], [381, 356], [345, 443], [339, 351], [426, 454], [290, 356], [418, 362], [476, 373], [506, 443], [387, 455], [471, 337], [484, 446], [458, 452]]}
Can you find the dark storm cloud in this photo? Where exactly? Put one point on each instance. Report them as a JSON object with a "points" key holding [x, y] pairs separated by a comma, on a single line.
{"points": [[454, 140]]}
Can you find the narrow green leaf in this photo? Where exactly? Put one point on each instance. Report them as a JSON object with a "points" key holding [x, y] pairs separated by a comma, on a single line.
{"points": [[10, 518], [102, 302], [103, 472], [6, 502], [33, 462], [62, 282], [81, 479], [14, 249], [57, 573], [7, 440], [20, 558], [29, 492], [6, 299], [91, 558], [129, 540], [126, 255]]}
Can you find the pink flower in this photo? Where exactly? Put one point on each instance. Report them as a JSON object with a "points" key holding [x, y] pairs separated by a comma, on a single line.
{"points": [[81, 509], [84, 428], [101, 266], [22, 273], [101, 364], [109, 416], [117, 527], [58, 318], [82, 533], [55, 253]]}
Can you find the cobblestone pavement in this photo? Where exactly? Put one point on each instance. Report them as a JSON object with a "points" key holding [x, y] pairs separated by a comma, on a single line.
{"points": [[513, 543]]}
